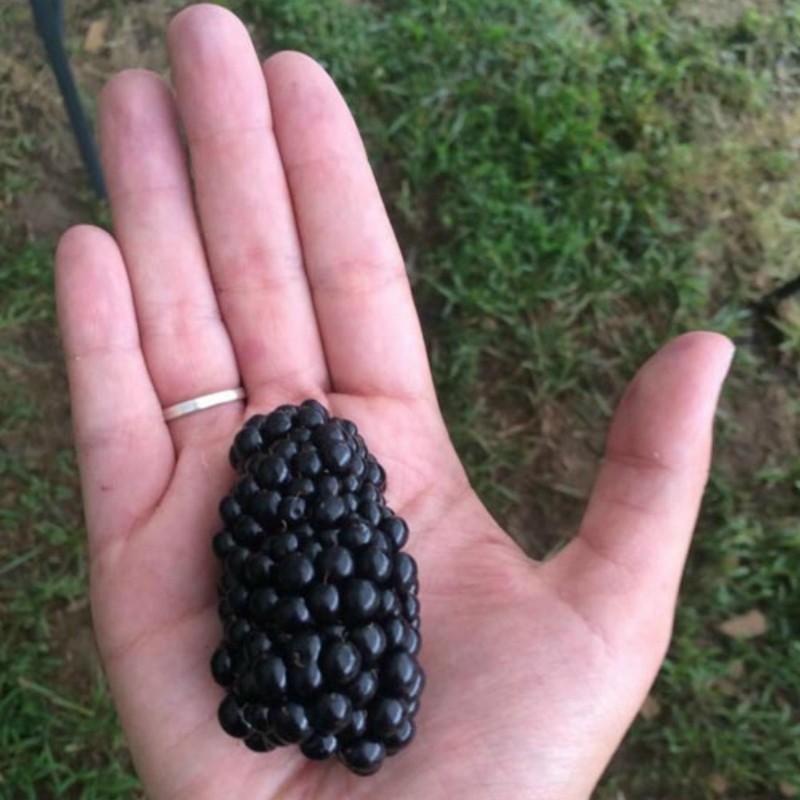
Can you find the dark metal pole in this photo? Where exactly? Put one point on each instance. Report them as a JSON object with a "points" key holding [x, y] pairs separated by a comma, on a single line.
{"points": [[49, 18]]}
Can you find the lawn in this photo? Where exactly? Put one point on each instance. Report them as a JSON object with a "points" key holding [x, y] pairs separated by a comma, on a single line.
{"points": [[573, 182]]}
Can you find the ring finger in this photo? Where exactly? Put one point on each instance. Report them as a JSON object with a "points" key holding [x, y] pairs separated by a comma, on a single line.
{"points": [[185, 342]]}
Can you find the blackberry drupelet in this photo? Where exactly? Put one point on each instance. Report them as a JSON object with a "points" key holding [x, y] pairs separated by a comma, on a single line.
{"points": [[318, 603]]}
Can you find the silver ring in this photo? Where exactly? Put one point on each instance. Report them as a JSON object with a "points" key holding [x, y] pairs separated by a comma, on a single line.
{"points": [[203, 402]]}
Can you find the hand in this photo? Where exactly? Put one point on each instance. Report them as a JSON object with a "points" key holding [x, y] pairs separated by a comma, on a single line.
{"points": [[277, 269]]}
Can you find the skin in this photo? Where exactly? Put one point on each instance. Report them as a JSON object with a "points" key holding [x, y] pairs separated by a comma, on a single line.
{"points": [[278, 269]]}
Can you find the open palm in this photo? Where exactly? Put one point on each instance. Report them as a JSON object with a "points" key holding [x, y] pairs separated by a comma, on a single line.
{"points": [[275, 267]]}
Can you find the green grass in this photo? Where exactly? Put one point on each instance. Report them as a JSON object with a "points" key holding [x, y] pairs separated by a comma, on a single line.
{"points": [[573, 182]]}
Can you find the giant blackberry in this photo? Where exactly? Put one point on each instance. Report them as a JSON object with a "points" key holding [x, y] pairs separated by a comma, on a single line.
{"points": [[317, 600]]}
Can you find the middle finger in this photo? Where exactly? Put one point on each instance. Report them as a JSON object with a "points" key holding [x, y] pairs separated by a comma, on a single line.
{"points": [[244, 205]]}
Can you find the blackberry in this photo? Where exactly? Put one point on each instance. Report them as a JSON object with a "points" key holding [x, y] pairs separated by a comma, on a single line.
{"points": [[318, 602]]}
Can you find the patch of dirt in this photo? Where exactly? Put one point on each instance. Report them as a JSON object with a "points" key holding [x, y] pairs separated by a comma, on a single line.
{"points": [[557, 481], [723, 13], [765, 430], [54, 189], [72, 637]]}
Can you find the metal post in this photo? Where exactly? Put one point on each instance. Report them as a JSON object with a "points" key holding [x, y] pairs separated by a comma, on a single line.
{"points": [[49, 18]]}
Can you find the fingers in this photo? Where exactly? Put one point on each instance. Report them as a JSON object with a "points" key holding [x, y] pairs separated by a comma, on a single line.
{"points": [[244, 204], [623, 570], [184, 340], [124, 448], [370, 331]]}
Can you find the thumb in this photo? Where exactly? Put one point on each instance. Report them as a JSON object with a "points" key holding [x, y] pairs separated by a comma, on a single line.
{"points": [[622, 571]]}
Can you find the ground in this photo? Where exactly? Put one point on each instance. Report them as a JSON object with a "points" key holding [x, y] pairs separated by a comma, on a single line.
{"points": [[573, 182]]}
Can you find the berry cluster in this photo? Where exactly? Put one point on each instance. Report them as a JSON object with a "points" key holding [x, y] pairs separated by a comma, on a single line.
{"points": [[318, 602]]}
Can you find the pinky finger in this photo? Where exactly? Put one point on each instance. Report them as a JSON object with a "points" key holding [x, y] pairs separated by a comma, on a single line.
{"points": [[124, 449]]}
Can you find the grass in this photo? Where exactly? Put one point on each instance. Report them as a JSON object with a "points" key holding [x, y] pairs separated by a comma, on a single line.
{"points": [[573, 182]]}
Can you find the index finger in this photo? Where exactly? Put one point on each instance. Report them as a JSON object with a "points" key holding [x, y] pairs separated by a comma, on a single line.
{"points": [[366, 314]]}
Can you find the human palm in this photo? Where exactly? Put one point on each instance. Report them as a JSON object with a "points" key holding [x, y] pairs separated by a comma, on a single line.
{"points": [[274, 266]]}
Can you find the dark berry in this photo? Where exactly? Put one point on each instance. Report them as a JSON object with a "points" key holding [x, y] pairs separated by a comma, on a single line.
{"points": [[258, 716], [248, 533], [247, 443], [223, 543], [329, 433], [245, 490], [291, 724], [323, 602], [360, 600], [370, 641], [411, 608], [294, 573], [284, 448], [222, 666], [350, 483], [412, 641], [357, 467], [264, 506], [319, 747], [358, 725], [327, 486], [398, 673], [236, 562], [401, 737], [329, 510], [416, 686], [305, 680], [350, 503], [230, 510], [292, 613], [382, 542], [257, 645], [304, 648], [386, 715], [374, 565], [396, 529], [371, 512], [336, 456], [395, 630], [311, 550], [405, 573], [308, 463], [238, 598], [271, 471], [335, 564], [364, 756], [278, 547], [292, 508], [340, 663], [304, 532], [329, 537], [271, 677], [238, 631], [331, 712], [263, 604], [312, 414], [256, 421], [300, 435], [259, 743], [302, 487], [390, 604], [231, 719], [258, 569], [363, 688], [276, 424], [355, 535], [375, 474], [368, 493]]}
